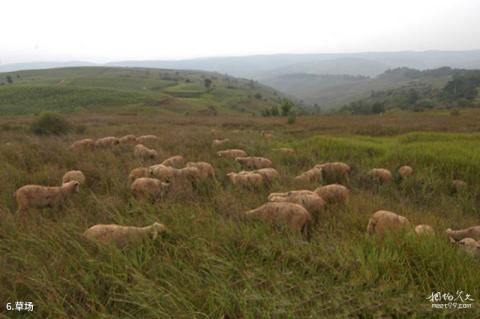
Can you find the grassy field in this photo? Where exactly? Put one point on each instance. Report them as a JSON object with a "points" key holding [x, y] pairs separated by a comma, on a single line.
{"points": [[103, 89], [212, 264]]}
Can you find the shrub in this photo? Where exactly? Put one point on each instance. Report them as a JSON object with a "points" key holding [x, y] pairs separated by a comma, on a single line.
{"points": [[292, 118], [50, 124]]}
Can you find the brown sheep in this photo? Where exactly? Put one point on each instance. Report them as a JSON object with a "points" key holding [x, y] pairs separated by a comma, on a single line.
{"points": [[218, 142], [383, 221], [312, 202], [231, 154], [174, 161], [107, 142], [128, 139], [295, 216], [144, 153], [146, 139], [86, 144], [269, 174], [313, 175], [206, 169], [472, 232], [122, 236], [423, 230], [246, 179], [36, 196], [405, 171], [163, 173], [285, 151], [73, 176], [253, 162], [380, 175], [334, 194], [146, 187], [470, 246], [335, 172], [458, 186], [137, 173]]}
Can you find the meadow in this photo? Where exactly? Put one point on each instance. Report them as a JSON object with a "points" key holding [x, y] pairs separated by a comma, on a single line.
{"points": [[213, 264]]}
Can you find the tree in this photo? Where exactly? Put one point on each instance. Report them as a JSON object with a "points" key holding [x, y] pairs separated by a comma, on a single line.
{"points": [[286, 107], [378, 107], [208, 84], [9, 79], [274, 111]]}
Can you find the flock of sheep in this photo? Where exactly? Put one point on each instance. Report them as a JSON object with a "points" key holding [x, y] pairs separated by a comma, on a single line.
{"points": [[298, 210]]}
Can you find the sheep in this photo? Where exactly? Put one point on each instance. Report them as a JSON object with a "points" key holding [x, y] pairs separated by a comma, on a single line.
{"points": [[73, 176], [253, 162], [190, 174], [174, 161], [472, 232], [144, 153], [246, 179], [231, 154], [380, 175], [335, 172], [85, 144], [334, 194], [145, 139], [137, 173], [311, 201], [458, 186], [310, 176], [424, 230], [147, 187], [405, 171], [285, 151], [269, 174], [383, 221], [163, 173], [128, 139], [122, 236], [218, 142], [267, 136], [107, 142], [295, 216], [470, 246], [206, 169], [36, 196]]}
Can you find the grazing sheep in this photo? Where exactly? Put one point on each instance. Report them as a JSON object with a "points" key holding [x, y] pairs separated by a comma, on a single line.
{"points": [[128, 139], [472, 232], [206, 169], [174, 161], [334, 194], [313, 175], [470, 246], [144, 153], [231, 154], [335, 172], [458, 186], [383, 221], [122, 236], [295, 216], [137, 173], [269, 174], [423, 230], [163, 173], [380, 175], [36, 196], [312, 202], [86, 144], [246, 179], [253, 162], [190, 174], [147, 187], [218, 142], [145, 139], [107, 142], [74, 176], [405, 171], [285, 150], [268, 136]]}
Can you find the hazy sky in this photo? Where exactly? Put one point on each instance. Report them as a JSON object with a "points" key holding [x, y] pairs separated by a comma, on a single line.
{"points": [[104, 30]]}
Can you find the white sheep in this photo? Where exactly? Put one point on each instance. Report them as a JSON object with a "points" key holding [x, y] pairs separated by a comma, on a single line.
{"points": [[37, 196], [144, 153], [73, 176], [384, 221]]}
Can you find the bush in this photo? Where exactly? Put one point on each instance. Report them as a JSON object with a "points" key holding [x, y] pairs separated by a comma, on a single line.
{"points": [[50, 124], [292, 119]]}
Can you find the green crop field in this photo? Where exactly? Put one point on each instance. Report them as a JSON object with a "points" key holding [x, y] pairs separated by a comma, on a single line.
{"points": [[212, 263]]}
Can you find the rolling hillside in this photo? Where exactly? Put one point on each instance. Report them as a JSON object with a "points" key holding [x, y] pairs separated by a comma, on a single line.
{"points": [[131, 90]]}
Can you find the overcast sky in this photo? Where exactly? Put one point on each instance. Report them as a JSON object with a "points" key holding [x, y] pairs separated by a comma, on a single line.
{"points": [[104, 30]]}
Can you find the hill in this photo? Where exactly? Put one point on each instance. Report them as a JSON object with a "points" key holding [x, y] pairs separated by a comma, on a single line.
{"points": [[130, 90]]}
